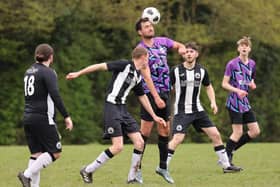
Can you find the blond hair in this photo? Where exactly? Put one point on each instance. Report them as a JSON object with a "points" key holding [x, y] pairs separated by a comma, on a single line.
{"points": [[138, 52], [245, 40]]}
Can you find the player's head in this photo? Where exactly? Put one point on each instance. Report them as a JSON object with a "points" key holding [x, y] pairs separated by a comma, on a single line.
{"points": [[43, 53], [145, 28], [192, 52], [140, 57], [244, 45]]}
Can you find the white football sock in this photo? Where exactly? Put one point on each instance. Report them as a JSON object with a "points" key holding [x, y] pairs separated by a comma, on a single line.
{"points": [[169, 157], [223, 158], [41, 162], [35, 178], [98, 162], [135, 162]]}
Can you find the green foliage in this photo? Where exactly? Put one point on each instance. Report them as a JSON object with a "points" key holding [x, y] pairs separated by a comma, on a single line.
{"points": [[91, 31]]}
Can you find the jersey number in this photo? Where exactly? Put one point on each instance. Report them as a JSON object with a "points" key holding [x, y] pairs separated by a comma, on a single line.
{"points": [[29, 85]]}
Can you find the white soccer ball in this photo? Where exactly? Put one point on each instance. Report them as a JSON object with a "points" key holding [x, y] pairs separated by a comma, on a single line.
{"points": [[152, 14]]}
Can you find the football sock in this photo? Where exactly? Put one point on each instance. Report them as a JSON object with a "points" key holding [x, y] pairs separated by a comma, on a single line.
{"points": [[222, 154], [99, 161], [135, 161], [230, 147], [35, 178], [169, 156], [41, 162], [145, 138], [163, 151], [243, 140]]}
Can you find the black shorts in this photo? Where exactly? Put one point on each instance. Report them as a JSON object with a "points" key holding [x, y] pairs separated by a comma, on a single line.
{"points": [[199, 120], [242, 118], [42, 137], [118, 121], [163, 112]]}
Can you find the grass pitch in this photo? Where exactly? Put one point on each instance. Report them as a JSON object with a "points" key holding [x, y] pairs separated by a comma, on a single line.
{"points": [[192, 165]]}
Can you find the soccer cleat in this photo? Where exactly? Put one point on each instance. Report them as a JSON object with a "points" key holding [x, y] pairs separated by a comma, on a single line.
{"points": [[134, 181], [232, 169], [138, 176], [24, 180], [165, 174], [87, 177]]}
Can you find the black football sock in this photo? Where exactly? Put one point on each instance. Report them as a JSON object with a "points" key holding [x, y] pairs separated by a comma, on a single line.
{"points": [[243, 140], [163, 151]]}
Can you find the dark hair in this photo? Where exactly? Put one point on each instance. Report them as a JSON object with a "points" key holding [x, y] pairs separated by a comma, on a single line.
{"points": [[43, 52], [192, 45], [138, 25], [138, 52]]}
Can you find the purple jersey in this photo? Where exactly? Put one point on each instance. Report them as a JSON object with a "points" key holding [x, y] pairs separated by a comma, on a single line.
{"points": [[240, 76], [158, 63]]}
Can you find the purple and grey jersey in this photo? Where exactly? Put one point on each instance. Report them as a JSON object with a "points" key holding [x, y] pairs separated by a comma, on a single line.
{"points": [[158, 63], [240, 76]]}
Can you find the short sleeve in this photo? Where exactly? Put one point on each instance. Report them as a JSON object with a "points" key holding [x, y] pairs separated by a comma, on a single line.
{"points": [[228, 70], [206, 79], [138, 89]]}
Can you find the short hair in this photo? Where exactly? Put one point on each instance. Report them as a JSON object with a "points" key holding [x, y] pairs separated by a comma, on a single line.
{"points": [[43, 52], [245, 40], [138, 25], [138, 52], [192, 45]]}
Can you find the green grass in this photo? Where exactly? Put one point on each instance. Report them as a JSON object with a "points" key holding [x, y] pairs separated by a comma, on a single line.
{"points": [[192, 165]]}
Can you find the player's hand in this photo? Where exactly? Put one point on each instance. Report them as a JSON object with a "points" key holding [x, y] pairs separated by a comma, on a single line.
{"points": [[160, 121], [252, 85], [159, 102], [214, 108], [241, 93], [72, 75], [68, 123]]}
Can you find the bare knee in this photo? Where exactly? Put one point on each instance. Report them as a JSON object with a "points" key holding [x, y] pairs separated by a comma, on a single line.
{"points": [[115, 149], [56, 155], [254, 132]]}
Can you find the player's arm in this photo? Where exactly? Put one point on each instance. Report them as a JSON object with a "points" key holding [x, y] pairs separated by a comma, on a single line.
{"points": [[211, 95], [179, 47], [89, 69], [146, 74], [50, 79], [227, 86], [147, 105]]}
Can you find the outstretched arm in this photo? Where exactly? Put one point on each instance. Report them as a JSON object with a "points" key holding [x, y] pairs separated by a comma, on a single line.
{"points": [[211, 95], [180, 47], [146, 74], [89, 69]]}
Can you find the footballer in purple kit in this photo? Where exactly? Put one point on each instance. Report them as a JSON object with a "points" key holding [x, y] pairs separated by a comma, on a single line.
{"points": [[239, 78]]}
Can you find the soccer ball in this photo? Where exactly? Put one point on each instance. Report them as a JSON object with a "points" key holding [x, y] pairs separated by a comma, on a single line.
{"points": [[152, 14]]}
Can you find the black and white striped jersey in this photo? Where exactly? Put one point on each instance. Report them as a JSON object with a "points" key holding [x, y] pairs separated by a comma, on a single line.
{"points": [[41, 95], [187, 85], [125, 77]]}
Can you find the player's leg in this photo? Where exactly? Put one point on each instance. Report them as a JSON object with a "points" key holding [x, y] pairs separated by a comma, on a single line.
{"points": [[163, 138], [237, 131], [138, 143], [253, 129], [176, 140], [116, 147], [219, 148], [46, 140], [35, 178]]}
